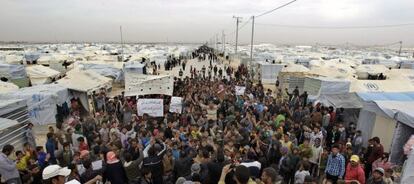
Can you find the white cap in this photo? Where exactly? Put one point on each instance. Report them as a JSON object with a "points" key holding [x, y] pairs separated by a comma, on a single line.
{"points": [[55, 170]]}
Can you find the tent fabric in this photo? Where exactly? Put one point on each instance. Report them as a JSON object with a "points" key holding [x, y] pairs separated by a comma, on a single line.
{"points": [[347, 100], [134, 67], [107, 69], [9, 105], [41, 101], [400, 111], [39, 74], [6, 87], [396, 85], [85, 81], [391, 96], [366, 123], [269, 72], [12, 71]]}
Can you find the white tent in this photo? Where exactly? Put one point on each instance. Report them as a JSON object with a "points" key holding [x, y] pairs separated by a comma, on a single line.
{"points": [[41, 101], [83, 83], [316, 86], [107, 69], [15, 74], [363, 71], [6, 87], [39, 74], [134, 67], [269, 72], [388, 116]]}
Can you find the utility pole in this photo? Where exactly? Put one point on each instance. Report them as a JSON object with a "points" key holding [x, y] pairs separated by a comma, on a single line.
{"points": [[122, 44], [237, 32], [222, 40], [251, 42], [224, 44], [399, 51], [217, 42]]}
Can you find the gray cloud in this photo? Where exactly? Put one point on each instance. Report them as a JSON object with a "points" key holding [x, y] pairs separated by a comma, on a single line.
{"points": [[199, 20]]}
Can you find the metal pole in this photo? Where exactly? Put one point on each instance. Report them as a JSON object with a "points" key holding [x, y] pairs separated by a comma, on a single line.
{"points": [[399, 51], [224, 46], [222, 40], [237, 34], [251, 42], [122, 44], [216, 42]]}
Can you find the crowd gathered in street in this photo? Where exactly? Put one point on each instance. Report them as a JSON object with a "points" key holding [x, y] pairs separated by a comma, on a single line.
{"points": [[222, 135]]}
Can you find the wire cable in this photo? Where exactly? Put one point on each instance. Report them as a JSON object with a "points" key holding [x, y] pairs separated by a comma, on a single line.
{"points": [[279, 7], [337, 27]]}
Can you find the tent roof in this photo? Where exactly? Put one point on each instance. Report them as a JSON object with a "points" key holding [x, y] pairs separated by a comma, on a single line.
{"points": [[396, 96], [349, 100], [7, 123], [399, 110], [6, 87], [382, 86], [85, 81], [39, 71]]}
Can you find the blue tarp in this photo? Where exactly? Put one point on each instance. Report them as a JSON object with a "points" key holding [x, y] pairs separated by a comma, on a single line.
{"points": [[390, 96]]}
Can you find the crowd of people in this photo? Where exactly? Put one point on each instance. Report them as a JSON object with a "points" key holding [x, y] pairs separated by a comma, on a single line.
{"points": [[259, 136]]}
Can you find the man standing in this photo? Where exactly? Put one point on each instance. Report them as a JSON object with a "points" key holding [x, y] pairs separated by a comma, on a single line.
{"points": [[376, 153], [8, 170], [30, 136], [354, 171], [335, 167]]}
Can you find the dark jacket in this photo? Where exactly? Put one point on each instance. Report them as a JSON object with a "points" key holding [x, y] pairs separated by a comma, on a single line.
{"points": [[115, 173], [182, 167], [132, 168]]}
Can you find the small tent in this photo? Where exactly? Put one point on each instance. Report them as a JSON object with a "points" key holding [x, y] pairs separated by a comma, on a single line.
{"points": [[39, 74], [104, 68], [83, 83]]}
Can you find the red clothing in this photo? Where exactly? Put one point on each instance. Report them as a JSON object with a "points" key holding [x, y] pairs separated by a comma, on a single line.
{"points": [[333, 117], [355, 173], [83, 146], [376, 153]]}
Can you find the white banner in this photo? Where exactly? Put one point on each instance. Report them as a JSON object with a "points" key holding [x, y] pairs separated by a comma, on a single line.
{"points": [[240, 90], [176, 104], [138, 84], [152, 107]]}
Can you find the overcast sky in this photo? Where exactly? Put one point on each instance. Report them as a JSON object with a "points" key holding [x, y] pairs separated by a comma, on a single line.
{"points": [[199, 20]]}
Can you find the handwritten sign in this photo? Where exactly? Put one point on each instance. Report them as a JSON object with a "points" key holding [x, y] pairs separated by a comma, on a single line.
{"points": [[176, 104], [152, 107], [138, 84], [240, 90], [97, 165]]}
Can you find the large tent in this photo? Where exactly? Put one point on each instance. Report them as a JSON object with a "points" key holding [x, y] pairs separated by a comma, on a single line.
{"points": [[42, 101], [83, 83], [39, 74], [389, 116], [15, 74], [268, 71]]}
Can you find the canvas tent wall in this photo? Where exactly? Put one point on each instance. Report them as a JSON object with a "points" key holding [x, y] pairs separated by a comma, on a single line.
{"points": [[6, 87], [133, 67], [389, 116], [13, 121], [15, 74], [39, 74], [41, 101], [316, 86], [268, 72], [84, 83]]}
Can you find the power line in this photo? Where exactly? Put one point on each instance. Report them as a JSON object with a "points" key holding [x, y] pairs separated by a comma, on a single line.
{"points": [[270, 11], [337, 27], [240, 27]]}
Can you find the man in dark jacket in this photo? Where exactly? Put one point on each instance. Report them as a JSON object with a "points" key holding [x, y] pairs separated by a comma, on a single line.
{"points": [[153, 160], [182, 165]]}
